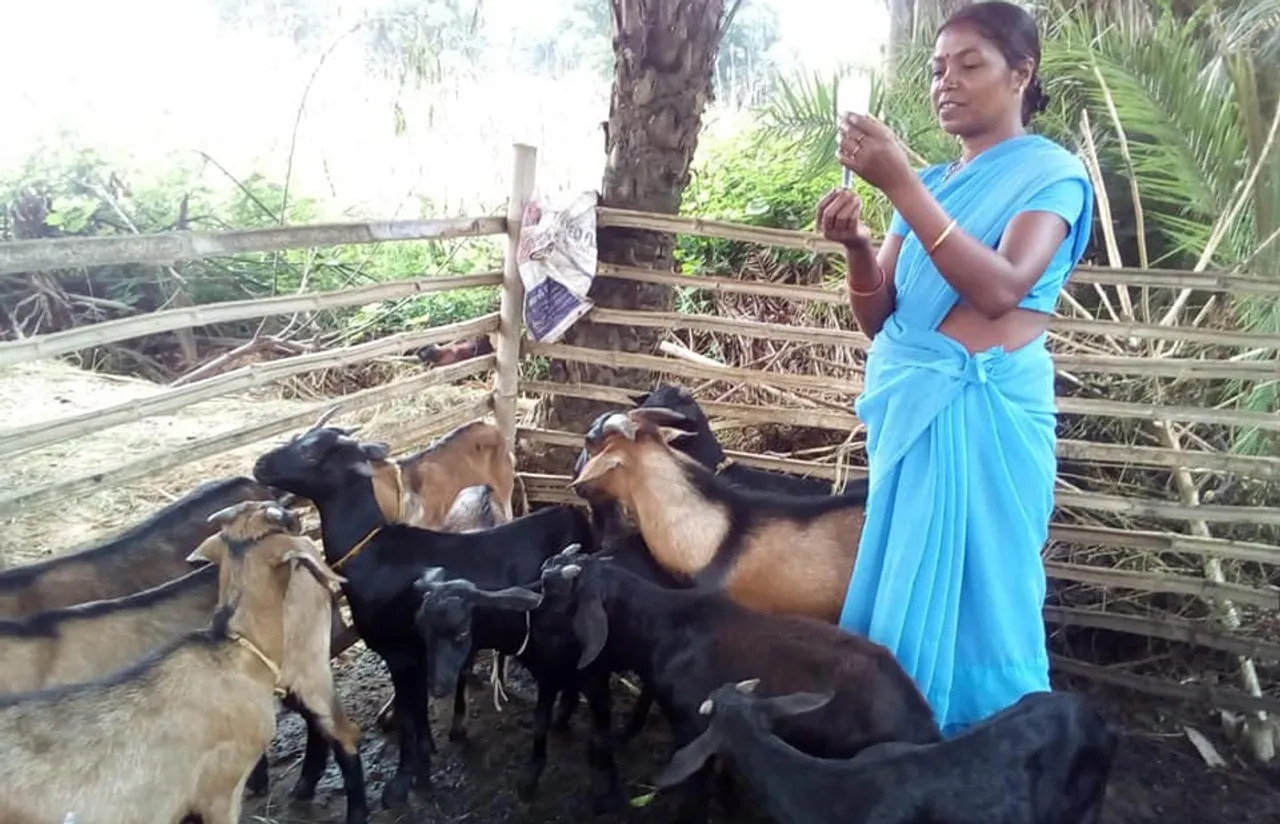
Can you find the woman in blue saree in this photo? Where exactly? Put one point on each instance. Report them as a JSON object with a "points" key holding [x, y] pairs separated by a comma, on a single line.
{"points": [[958, 401]]}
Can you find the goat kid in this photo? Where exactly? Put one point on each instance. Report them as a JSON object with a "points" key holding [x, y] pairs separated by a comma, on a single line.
{"points": [[457, 617], [1045, 760], [684, 643], [176, 734], [782, 554], [149, 554], [382, 561]]}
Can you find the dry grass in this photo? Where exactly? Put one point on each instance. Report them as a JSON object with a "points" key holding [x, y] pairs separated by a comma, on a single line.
{"points": [[51, 389]]}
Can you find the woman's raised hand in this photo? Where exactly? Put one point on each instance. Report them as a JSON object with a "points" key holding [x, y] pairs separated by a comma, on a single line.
{"points": [[839, 218], [871, 150]]}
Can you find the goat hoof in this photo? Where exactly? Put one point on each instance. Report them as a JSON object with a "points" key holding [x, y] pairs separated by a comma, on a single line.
{"points": [[304, 790], [396, 792]]}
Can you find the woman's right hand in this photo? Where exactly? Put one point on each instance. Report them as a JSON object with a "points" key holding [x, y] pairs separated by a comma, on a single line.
{"points": [[840, 219]]}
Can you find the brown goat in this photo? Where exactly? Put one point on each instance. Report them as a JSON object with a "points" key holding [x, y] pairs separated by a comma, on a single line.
{"points": [[771, 552], [88, 641], [420, 489], [176, 734], [144, 556]]}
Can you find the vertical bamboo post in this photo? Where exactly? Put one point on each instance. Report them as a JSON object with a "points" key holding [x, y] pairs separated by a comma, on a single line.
{"points": [[511, 309]]}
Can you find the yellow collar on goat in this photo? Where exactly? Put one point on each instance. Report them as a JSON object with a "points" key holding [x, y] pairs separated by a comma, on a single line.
{"points": [[355, 550], [261, 656]]}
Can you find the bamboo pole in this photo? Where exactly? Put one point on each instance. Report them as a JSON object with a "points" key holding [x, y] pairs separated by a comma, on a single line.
{"points": [[168, 320], [24, 500], [812, 242], [27, 256], [33, 436], [507, 378], [1200, 694], [1166, 627]]}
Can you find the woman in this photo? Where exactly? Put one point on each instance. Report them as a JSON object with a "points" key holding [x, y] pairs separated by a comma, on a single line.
{"points": [[958, 402]]}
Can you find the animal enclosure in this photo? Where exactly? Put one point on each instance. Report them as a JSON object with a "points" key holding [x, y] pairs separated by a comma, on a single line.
{"points": [[1164, 534]]}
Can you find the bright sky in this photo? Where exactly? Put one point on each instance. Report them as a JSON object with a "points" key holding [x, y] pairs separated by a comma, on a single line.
{"points": [[151, 77]]}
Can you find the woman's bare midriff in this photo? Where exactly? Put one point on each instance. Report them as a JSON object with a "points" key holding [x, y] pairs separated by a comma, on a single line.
{"points": [[977, 333]]}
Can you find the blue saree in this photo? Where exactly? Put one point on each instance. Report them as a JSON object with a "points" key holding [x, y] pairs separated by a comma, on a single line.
{"points": [[961, 453]]}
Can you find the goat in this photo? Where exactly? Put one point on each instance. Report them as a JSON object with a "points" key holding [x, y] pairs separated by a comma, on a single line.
{"points": [[703, 447], [176, 734], [685, 642], [381, 562], [457, 617], [774, 553], [1044, 760], [145, 556], [456, 351]]}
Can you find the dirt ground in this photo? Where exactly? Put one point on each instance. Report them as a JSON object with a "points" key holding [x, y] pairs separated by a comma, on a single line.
{"points": [[1158, 777]]}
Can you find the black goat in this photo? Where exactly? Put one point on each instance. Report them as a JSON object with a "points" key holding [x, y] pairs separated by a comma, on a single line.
{"points": [[1045, 760], [457, 618], [685, 643], [704, 448], [382, 561]]}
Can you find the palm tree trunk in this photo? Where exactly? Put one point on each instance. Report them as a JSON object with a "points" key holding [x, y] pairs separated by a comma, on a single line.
{"points": [[664, 63]]}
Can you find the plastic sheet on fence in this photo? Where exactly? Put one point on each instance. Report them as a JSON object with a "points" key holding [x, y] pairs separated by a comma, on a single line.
{"points": [[557, 260]]}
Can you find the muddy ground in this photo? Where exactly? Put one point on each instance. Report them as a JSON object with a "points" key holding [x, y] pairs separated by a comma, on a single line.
{"points": [[1158, 776]]}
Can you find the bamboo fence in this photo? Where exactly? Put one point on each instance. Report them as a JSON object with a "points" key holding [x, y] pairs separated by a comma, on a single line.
{"points": [[1111, 556], [1126, 549]]}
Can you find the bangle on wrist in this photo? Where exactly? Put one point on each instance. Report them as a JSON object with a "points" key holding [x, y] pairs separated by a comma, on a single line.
{"points": [[942, 236], [859, 294]]}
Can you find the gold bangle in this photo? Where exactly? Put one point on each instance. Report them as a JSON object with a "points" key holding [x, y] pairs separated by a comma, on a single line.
{"points": [[942, 236], [854, 293]]}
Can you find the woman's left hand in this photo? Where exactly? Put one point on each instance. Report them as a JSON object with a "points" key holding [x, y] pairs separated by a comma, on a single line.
{"points": [[871, 150]]}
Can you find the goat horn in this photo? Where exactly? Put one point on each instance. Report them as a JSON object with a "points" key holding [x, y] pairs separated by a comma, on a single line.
{"points": [[705, 707], [748, 686], [570, 571], [325, 416], [431, 575], [621, 424], [571, 549]]}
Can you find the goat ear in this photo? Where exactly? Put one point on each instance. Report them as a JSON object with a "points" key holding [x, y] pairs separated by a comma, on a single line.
{"points": [[597, 468], [591, 625], [318, 568], [781, 706], [513, 598], [638, 400], [688, 759], [363, 468], [429, 576], [212, 549]]}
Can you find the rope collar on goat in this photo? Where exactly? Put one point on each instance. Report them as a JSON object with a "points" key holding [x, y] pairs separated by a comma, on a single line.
{"points": [[500, 692], [724, 464], [364, 542], [261, 656]]}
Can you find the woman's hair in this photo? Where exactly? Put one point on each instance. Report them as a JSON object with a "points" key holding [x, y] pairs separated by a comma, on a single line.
{"points": [[1012, 30]]}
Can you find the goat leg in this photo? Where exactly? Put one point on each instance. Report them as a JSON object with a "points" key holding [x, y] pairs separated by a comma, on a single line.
{"points": [[639, 714], [568, 704], [607, 793], [409, 696], [258, 780], [528, 785], [315, 757]]}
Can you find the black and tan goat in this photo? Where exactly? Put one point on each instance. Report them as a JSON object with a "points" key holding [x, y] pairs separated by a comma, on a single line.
{"points": [[686, 642], [144, 556], [775, 553], [176, 734], [381, 562], [702, 445], [1045, 760]]}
